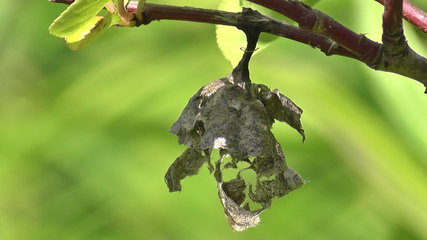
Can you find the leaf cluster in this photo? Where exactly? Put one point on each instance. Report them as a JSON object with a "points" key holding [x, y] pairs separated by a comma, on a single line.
{"points": [[80, 24]]}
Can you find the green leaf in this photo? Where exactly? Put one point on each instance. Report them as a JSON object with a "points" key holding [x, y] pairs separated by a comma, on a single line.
{"points": [[76, 17], [88, 33], [91, 31]]}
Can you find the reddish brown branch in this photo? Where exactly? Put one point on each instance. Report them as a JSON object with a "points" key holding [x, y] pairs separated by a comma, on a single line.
{"points": [[315, 21], [392, 17], [413, 14], [317, 30], [153, 12], [157, 12], [397, 56], [394, 41], [326, 45], [394, 56], [68, 2]]}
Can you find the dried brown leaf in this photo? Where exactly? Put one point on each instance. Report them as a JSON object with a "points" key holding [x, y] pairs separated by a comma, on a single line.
{"points": [[187, 164], [239, 218]]}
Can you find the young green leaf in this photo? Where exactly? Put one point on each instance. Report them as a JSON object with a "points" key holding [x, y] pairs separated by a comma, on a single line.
{"points": [[91, 31], [88, 33], [76, 17]]}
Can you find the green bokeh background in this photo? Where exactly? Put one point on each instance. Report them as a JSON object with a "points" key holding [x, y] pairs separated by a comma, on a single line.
{"points": [[84, 143]]}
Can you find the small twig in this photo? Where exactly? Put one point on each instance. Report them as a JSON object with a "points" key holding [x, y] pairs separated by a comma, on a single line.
{"points": [[397, 56], [413, 14], [395, 46], [392, 17]]}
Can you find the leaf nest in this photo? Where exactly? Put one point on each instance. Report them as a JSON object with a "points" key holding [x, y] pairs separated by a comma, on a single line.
{"points": [[235, 117]]}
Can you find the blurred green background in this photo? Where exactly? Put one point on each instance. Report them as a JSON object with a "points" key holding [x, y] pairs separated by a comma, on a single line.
{"points": [[84, 143]]}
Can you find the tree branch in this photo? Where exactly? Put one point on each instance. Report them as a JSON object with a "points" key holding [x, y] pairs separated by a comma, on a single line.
{"points": [[413, 14], [314, 21], [394, 40], [316, 29], [392, 17], [68, 2], [156, 12], [395, 56]]}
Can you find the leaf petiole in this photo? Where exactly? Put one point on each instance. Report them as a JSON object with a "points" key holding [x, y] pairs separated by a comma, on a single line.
{"points": [[125, 15], [111, 8], [139, 9]]}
